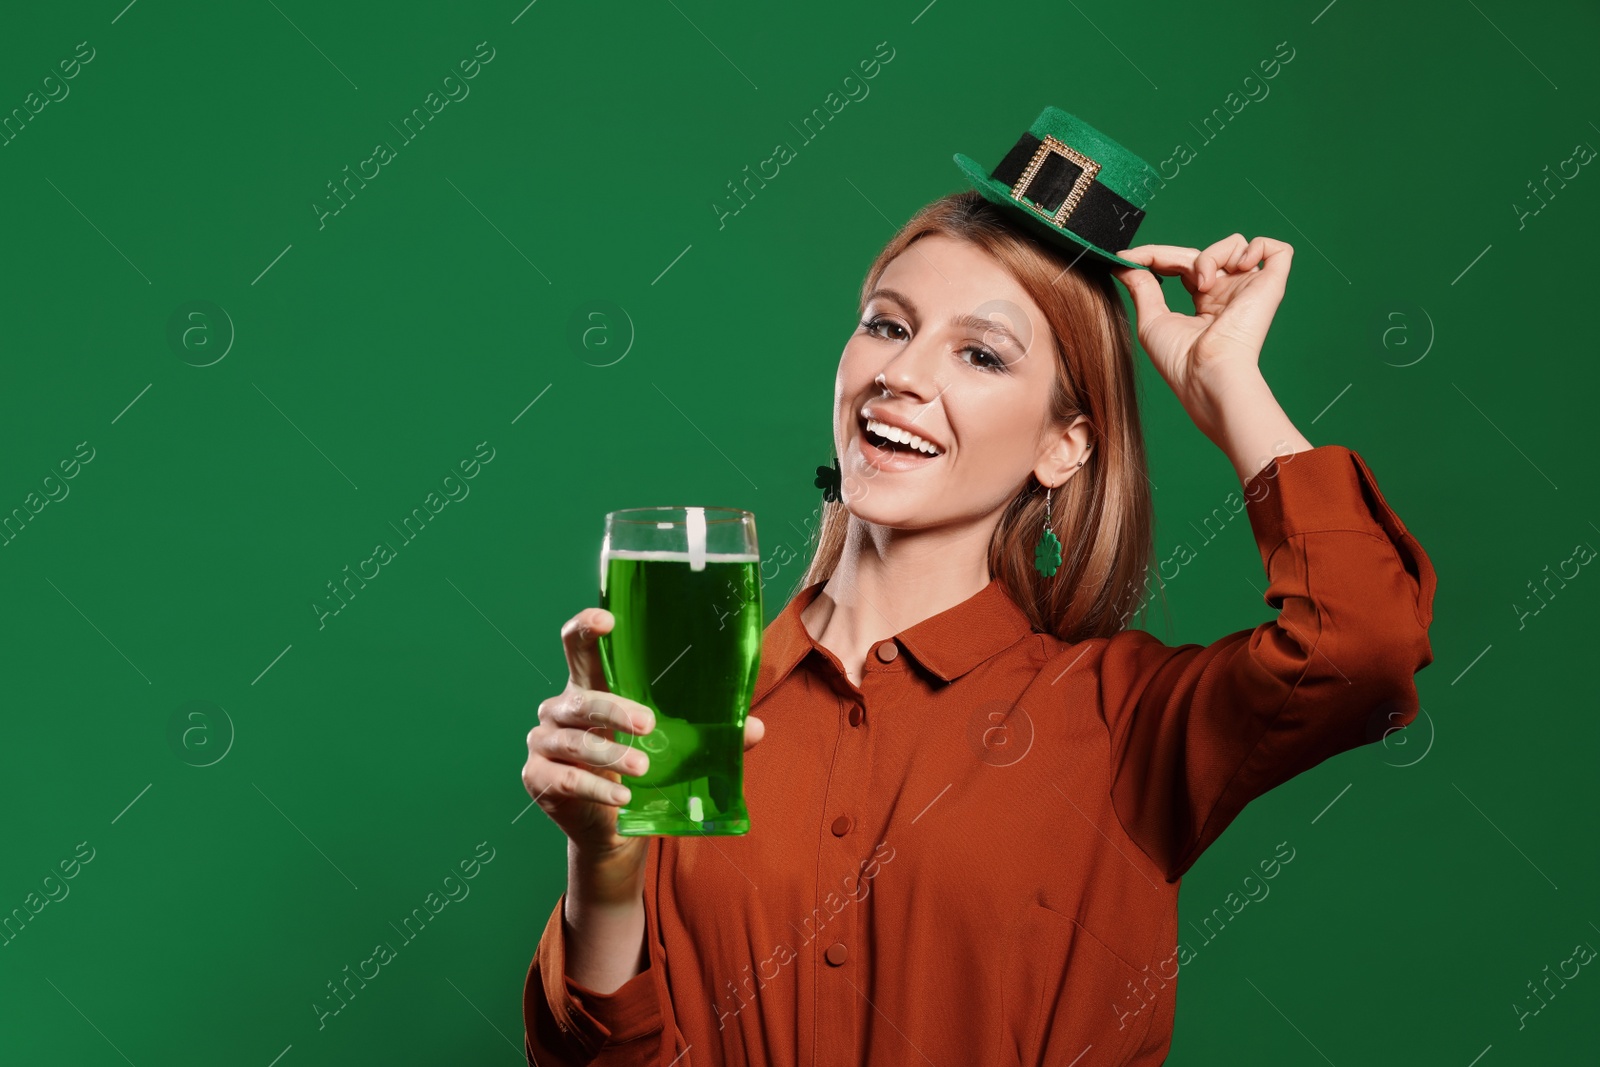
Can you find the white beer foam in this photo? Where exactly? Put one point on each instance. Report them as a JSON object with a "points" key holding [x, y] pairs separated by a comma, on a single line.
{"points": [[681, 557]]}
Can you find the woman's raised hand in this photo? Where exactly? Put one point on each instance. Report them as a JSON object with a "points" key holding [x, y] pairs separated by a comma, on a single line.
{"points": [[1236, 286], [574, 768]]}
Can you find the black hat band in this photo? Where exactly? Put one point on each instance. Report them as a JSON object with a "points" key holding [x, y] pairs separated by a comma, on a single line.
{"points": [[1057, 183]]}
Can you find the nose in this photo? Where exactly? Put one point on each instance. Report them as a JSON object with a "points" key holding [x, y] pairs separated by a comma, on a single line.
{"points": [[912, 372]]}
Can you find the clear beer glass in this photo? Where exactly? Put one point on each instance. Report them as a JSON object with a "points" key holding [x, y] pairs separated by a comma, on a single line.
{"points": [[684, 584]]}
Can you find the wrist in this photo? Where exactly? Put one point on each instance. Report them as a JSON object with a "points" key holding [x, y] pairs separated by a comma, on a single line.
{"points": [[607, 879], [1235, 408], [1225, 387]]}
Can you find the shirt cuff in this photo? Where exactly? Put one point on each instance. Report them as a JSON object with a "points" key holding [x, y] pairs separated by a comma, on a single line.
{"points": [[1329, 488], [594, 1019]]}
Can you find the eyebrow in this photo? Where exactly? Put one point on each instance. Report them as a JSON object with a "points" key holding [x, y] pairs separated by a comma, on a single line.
{"points": [[971, 322]]}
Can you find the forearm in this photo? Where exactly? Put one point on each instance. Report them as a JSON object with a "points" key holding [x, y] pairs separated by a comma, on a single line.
{"points": [[1237, 411], [603, 921]]}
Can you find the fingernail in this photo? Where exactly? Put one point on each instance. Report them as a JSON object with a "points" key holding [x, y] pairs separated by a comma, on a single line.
{"points": [[620, 795]]}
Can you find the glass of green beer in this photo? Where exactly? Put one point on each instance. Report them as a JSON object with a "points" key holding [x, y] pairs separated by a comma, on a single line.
{"points": [[684, 584]]}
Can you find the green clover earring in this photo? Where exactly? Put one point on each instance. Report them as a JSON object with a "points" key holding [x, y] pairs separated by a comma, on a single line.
{"points": [[1047, 552], [828, 479]]}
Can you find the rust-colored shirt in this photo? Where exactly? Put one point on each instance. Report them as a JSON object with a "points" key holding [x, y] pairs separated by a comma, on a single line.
{"points": [[974, 856]]}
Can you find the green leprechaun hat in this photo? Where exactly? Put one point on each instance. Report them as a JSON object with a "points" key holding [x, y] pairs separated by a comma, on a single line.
{"points": [[1080, 188]]}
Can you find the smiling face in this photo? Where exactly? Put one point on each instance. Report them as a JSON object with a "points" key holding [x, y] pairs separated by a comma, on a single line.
{"points": [[953, 350]]}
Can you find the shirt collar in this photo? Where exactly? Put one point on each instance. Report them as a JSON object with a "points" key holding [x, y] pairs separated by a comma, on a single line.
{"points": [[949, 644]]}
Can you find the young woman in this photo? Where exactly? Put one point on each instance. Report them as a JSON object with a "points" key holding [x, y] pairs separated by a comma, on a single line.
{"points": [[978, 789]]}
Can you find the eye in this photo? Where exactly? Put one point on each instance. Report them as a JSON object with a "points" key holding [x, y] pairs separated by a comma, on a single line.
{"points": [[993, 362], [984, 359], [873, 325]]}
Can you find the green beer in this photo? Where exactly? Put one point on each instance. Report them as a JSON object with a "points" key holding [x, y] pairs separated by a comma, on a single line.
{"points": [[686, 644]]}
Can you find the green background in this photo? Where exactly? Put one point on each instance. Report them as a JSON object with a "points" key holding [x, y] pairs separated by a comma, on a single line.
{"points": [[352, 765]]}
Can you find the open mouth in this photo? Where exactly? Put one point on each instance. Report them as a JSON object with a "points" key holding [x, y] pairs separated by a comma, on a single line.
{"points": [[884, 444]]}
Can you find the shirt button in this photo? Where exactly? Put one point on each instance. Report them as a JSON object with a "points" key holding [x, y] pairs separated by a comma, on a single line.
{"points": [[837, 953], [841, 826], [855, 716], [887, 651]]}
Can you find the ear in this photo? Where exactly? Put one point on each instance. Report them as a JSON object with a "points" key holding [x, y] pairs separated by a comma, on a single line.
{"points": [[1058, 459]]}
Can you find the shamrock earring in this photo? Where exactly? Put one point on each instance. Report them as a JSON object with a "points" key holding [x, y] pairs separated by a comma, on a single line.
{"points": [[1047, 552], [828, 479]]}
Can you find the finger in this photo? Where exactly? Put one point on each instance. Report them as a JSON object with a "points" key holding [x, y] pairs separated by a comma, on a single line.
{"points": [[1263, 249], [754, 731], [586, 749], [1271, 259], [579, 635], [1163, 259], [1148, 299], [1246, 256], [1273, 255], [589, 709], [1215, 258], [545, 780]]}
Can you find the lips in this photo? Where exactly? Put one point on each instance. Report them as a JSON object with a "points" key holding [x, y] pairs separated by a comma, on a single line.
{"points": [[890, 459], [895, 421]]}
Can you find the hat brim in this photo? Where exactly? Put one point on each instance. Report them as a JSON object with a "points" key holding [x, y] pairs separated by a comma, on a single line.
{"points": [[997, 193]]}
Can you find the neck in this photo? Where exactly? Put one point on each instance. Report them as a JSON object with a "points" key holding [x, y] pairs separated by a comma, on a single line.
{"points": [[888, 580]]}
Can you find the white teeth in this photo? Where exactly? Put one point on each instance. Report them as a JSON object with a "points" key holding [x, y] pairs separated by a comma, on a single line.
{"points": [[905, 437]]}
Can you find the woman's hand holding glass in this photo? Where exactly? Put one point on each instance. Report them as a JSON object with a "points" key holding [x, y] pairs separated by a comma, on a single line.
{"points": [[574, 768]]}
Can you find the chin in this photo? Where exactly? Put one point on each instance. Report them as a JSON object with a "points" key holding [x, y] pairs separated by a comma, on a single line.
{"points": [[897, 510]]}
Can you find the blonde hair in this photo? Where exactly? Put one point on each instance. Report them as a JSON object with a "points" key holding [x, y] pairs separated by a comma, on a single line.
{"points": [[1104, 513]]}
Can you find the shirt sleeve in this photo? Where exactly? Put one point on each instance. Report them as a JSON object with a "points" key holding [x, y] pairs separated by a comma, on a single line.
{"points": [[1198, 731], [569, 1024]]}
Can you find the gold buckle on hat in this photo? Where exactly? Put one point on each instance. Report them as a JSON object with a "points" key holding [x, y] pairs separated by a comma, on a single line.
{"points": [[1088, 169]]}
